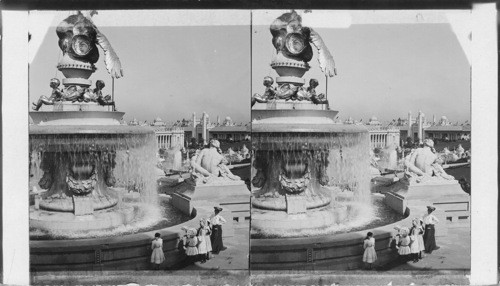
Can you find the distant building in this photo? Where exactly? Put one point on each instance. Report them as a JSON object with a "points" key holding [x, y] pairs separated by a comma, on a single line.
{"points": [[167, 136], [231, 133], [203, 129], [418, 129], [448, 132], [198, 129], [382, 136]]}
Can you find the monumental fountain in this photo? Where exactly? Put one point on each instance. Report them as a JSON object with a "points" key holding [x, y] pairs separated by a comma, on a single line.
{"points": [[94, 202], [311, 201]]}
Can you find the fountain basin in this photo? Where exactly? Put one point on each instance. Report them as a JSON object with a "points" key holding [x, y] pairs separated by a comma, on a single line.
{"points": [[280, 203], [340, 251], [60, 221], [117, 252], [279, 222], [82, 114]]}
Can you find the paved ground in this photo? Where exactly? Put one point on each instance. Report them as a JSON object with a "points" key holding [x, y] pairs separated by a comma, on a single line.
{"points": [[235, 257], [447, 266], [453, 254], [228, 267]]}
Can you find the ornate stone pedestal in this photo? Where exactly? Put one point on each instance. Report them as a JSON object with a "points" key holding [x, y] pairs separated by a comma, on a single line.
{"points": [[232, 196], [451, 202]]}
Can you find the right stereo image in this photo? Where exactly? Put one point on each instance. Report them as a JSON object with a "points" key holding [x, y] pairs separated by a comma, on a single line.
{"points": [[360, 141]]}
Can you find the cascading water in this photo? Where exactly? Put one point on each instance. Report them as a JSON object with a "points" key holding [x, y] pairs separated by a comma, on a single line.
{"points": [[338, 181], [310, 174], [130, 157], [91, 175]]}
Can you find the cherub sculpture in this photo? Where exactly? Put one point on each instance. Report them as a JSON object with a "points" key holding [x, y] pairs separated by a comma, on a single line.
{"points": [[269, 93], [316, 98], [55, 96], [102, 100]]}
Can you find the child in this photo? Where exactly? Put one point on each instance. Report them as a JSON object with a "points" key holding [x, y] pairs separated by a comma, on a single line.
{"points": [[414, 246], [202, 246], [184, 238], [420, 239], [370, 254], [157, 256], [395, 238], [404, 245], [191, 246], [208, 242]]}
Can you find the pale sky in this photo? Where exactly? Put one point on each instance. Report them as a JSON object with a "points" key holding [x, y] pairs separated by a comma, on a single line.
{"points": [[388, 63], [179, 62], [199, 62]]}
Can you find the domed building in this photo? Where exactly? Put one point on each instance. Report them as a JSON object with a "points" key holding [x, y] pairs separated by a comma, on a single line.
{"points": [[374, 121], [167, 137], [443, 121], [228, 122], [158, 122], [382, 136], [134, 122]]}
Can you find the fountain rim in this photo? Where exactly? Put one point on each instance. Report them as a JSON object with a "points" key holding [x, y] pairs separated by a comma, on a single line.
{"points": [[322, 241], [61, 245], [325, 240], [88, 129], [307, 128]]}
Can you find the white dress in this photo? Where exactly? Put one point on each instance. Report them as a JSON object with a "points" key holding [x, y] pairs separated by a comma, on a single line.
{"points": [[420, 239], [208, 242], [157, 256], [404, 245], [191, 248], [202, 246], [370, 255], [414, 246]]}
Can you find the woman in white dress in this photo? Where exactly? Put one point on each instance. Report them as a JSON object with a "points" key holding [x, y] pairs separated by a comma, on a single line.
{"points": [[157, 256]]}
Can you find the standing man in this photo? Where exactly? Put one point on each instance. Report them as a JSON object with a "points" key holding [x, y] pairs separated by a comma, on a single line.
{"points": [[429, 239], [216, 237]]}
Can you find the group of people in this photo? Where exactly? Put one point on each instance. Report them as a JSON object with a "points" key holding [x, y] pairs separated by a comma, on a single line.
{"points": [[457, 154], [197, 243], [410, 242]]}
